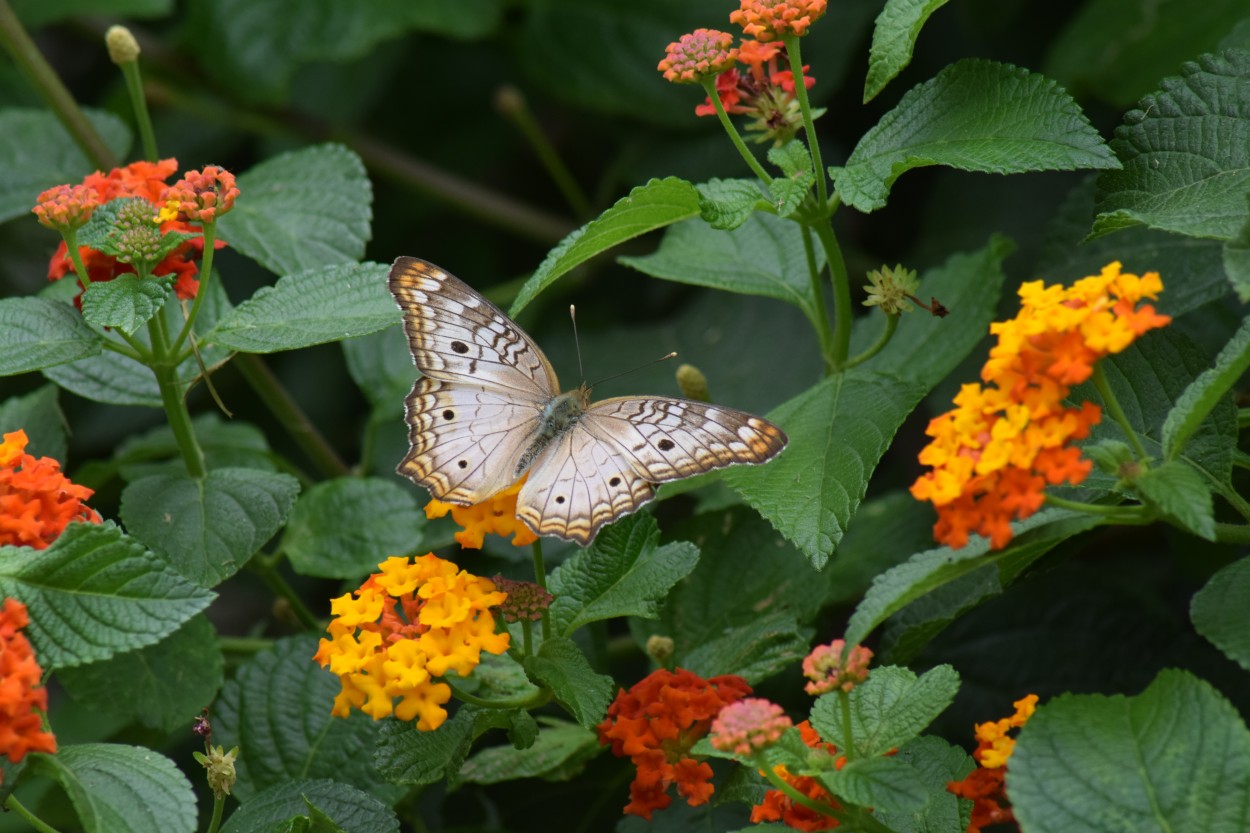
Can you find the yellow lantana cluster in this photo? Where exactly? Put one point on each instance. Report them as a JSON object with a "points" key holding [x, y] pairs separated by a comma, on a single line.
{"points": [[496, 515], [408, 624]]}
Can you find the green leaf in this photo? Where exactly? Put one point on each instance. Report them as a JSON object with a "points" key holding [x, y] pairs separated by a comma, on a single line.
{"points": [[406, 756], [125, 303], [209, 527], [1182, 493], [562, 667], [122, 789], [659, 203], [1236, 256], [1205, 392], [937, 763], [31, 167], [1186, 154], [303, 210], [560, 753], [797, 177], [1218, 611], [755, 650], [39, 415], [95, 593], [838, 431], [166, 684], [311, 307], [36, 333], [624, 573], [235, 444], [975, 115], [893, 39], [381, 366], [343, 528], [724, 204], [890, 708], [351, 809], [1112, 761], [277, 710], [36, 13], [880, 783]]}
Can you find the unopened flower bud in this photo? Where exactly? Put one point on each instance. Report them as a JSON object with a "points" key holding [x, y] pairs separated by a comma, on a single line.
{"points": [[220, 766], [122, 46], [693, 383], [660, 648], [703, 53]]}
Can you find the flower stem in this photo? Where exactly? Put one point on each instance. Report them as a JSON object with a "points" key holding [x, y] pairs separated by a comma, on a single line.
{"points": [[219, 806], [134, 87], [841, 293], [1232, 533], [17, 42], [809, 129], [1117, 412], [820, 315], [891, 324], [11, 803], [513, 105], [540, 576], [709, 84], [541, 697], [206, 275], [265, 567], [527, 637], [1117, 514], [173, 399], [75, 257]]}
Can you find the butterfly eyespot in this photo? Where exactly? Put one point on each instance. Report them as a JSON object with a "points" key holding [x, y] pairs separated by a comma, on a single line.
{"points": [[615, 481], [665, 445], [560, 499], [449, 414], [459, 347], [464, 464]]}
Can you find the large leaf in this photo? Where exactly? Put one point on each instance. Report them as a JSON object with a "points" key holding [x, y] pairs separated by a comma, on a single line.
{"points": [[1218, 611], [36, 13], [350, 809], [306, 209], [1205, 392], [938, 763], [1186, 154], [838, 431], [208, 527], [659, 203], [36, 333], [974, 115], [29, 167], [893, 38], [95, 593], [314, 306], [560, 753], [1182, 494], [892, 707], [562, 667], [1112, 762], [881, 783], [405, 755], [122, 789], [624, 573]]}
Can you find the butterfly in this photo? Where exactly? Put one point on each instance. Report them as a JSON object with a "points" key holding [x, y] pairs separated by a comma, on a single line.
{"points": [[488, 409]]}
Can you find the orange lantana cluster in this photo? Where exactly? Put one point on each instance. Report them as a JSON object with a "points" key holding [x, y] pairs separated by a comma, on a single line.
{"points": [[984, 785], [22, 700], [777, 806], [656, 722], [409, 623], [37, 502], [768, 20], [496, 514], [994, 453], [138, 179]]}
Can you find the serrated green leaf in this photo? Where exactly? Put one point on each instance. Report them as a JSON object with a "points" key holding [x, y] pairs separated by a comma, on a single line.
{"points": [[95, 593], [838, 431], [315, 306], [893, 39], [31, 167], [1205, 392], [208, 527], [975, 115], [725, 203], [319, 822], [406, 756], [1185, 154], [1236, 256], [881, 783], [303, 210], [277, 710], [1218, 611], [937, 763], [36, 13], [343, 528], [562, 667], [166, 684], [559, 753], [890, 708], [36, 333], [38, 414], [1112, 761], [1182, 493], [659, 203], [624, 573], [122, 789], [797, 177], [755, 650], [351, 809], [125, 303]]}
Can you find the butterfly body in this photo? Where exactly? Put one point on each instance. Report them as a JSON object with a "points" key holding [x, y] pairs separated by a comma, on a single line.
{"points": [[488, 409]]}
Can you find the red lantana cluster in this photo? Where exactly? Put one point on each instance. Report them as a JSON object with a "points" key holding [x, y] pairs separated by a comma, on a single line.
{"points": [[777, 806], [212, 190], [984, 786], [37, 502], [656, 722], [22, 700]]}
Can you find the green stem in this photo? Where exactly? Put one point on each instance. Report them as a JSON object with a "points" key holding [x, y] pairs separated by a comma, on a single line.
{"points": [[513, 105], [75, 257], [842, 313], [1235, 499], [541, 697], [1113, 405], [891, 324], [527, 637], [709, 84], [173, 400], [288, 413], [1243, 418], [129, 349], [820, 315], [17, 42], [134, 86], [540, 576], [1232, 533], [265, 567], [11, 803], [219, 806], [206, 275], [809, 129], [244, 644], [1121, 515]]}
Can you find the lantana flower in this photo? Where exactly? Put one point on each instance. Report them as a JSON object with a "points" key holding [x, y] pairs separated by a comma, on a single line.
{"points": [[768, 20], [202, 196], [656, 722], [984, 786], [66, 206], [408, 624], [22, 700], [1006, 440], [777, 806], [496, 514], [748, 726], [762, 91], [702, 53], [828, 671], [37, 501]]}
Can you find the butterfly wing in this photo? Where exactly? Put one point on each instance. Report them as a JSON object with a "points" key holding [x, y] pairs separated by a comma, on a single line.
{"points": [[478, 405]]}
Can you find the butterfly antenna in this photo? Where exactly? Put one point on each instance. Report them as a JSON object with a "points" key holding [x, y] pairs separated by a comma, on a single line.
{"points": [[671, 355], [577, 342]]}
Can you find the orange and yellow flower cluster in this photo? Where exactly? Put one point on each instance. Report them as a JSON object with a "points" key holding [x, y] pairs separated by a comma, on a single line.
{"points": [[768, 20], [827, 671], [656, 722], [984, 786], [409, 623], [777, 806], [199, 197], [37, 501], [496, 514], [994, 453], [22, 700]]}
